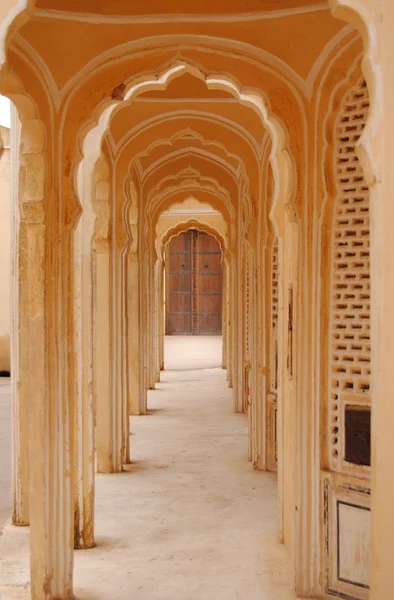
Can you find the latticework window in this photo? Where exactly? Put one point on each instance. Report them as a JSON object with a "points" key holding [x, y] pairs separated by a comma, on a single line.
{"points": [[350, 275], [247, 304], [274, 314]]}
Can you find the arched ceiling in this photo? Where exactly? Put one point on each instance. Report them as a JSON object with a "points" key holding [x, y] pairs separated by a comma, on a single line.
{"points": [[164, 133], [223, 136], [247, 72], [183, 141], [72, 36], [145, 109], [187, 125]]}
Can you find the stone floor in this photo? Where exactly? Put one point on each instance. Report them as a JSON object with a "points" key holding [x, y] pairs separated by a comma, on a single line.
{"points": [[189, 519]]}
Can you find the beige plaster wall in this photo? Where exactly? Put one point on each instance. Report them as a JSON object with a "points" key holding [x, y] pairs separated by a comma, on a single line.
{"points": [[5, 249]]}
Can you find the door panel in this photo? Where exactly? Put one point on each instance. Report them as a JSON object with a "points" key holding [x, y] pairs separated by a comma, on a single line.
{"points": [[178, 288], [193, 285], [210, 285]]}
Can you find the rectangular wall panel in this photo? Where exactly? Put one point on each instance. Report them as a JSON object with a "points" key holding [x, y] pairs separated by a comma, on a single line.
{"points": [[347, 515]]}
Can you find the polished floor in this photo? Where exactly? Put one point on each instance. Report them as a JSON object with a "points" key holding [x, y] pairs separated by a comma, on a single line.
{"points": [[189, 519]]}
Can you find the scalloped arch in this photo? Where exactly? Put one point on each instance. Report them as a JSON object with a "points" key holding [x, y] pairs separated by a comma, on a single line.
{"points": [[175, 230], [282, 163]]}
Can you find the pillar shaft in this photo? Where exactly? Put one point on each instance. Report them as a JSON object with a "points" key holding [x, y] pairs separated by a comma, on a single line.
{"points": [[108, 409], [123, 391], [161, 332], [137, 404], [50, 432], [230, 316], [84, 488], [382, 248], [224, 315], [19, 369], [19, 342]]}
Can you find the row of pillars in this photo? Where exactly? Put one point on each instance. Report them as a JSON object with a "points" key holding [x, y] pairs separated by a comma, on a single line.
{"points": [[71, 400]]}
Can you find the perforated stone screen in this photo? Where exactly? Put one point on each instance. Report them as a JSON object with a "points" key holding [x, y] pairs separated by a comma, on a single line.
{"points": [[274, 313], [247, 304], [350, 274]]}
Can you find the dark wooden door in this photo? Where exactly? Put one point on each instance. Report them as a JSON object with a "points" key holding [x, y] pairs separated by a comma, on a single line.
{"points": [[209, 285], [193, 285]]}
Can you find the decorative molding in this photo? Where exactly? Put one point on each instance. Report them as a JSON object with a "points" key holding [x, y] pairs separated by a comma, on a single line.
{"points": [[99, 19], [198, 115]]}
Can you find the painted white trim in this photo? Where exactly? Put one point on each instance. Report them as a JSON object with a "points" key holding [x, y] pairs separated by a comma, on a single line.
{"points": [[98, 19]]}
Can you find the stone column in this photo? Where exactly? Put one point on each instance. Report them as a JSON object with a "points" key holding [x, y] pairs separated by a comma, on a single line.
{"points": [[375, 22], [161, 316], [84, 450], [143, 338], [107, 342], [123, 364], [230, 316], [49, 264], [137, 405], [102, 344], [151, 295], [224, 314], [19, 341], [157, 315], [238, 333]]}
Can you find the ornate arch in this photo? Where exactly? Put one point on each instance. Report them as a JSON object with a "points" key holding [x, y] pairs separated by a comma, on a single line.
{"points": [[193, 223], [282, 163]]}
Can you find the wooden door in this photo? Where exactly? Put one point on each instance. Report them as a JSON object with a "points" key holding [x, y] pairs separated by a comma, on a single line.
{"points": [[193, 285], [179, 285], [209, 285]]}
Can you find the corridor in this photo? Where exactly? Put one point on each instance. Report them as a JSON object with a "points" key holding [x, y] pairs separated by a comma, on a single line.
{"points": [[189, 519]]}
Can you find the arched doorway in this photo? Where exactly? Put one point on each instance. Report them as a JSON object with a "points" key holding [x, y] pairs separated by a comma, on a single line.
{"points": [[193, 284]]}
